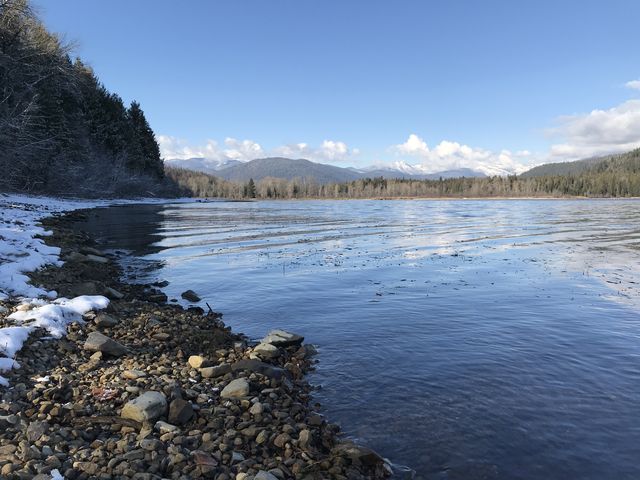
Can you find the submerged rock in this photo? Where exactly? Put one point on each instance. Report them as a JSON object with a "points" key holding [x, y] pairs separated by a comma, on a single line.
{"points": [[191, 296]]}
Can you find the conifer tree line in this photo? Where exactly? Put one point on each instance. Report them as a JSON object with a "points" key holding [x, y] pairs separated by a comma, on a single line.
{"points": [[616, 176], [61, 130]]}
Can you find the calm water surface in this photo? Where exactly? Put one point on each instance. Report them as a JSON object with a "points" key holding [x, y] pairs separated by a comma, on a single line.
{"points": [[464, 339]]}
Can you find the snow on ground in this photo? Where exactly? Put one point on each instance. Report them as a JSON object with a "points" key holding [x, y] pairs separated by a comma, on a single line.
{"points": [[21, 252]]}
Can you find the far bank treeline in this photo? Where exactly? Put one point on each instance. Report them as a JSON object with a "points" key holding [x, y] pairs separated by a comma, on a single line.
{"points": [[615, 176], [61, 130]]}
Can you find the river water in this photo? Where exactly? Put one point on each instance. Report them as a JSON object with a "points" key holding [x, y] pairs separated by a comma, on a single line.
{"points": [[463, 339]]}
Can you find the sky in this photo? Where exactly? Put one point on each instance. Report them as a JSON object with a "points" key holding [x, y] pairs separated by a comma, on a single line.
{"points": [[497, 85]]}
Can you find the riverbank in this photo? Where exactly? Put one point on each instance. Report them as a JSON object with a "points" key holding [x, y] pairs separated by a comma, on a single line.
{"points": [[144, 389]]}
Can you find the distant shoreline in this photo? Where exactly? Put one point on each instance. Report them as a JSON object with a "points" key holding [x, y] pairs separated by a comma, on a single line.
{"points": [[249, 200]]}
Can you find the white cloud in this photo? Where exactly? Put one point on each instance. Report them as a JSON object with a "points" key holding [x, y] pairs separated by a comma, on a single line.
{"points": [[633, 84], [413, 146], [598, 132], [448, 155], [244, 150], [330, 151], [173, 147]]}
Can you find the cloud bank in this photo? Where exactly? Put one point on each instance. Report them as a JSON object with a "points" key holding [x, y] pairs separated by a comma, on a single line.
{"points": [[330, 151], [598, 132], [449, 155]]}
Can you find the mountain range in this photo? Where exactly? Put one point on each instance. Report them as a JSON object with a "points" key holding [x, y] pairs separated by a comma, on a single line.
{"points": [[288, 169]]}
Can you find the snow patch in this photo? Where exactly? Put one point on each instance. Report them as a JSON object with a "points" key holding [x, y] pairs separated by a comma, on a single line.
{"points": [[54, 317], [20, 253]]}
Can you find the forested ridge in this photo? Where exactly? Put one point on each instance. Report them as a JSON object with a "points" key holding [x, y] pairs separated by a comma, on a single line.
{"points": [[614, 176], [61, 130]]}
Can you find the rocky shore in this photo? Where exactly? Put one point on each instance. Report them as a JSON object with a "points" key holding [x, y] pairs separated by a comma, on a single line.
{"points": [[148, 390]]}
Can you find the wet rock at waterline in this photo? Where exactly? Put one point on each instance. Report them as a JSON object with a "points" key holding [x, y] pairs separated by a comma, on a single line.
{"points": [[266, 351], [280, 338], [191, 296]]}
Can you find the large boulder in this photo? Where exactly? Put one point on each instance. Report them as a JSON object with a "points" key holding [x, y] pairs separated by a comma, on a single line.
{"points": [[280, 338], [98, 342], [146, 408], [237, 388], [266, 351]]}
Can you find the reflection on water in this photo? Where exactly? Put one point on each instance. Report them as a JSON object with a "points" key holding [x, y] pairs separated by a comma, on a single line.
{"points": [[466, 339]]}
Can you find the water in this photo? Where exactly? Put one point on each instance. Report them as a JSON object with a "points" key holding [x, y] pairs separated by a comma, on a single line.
{"points": [[464, 339]]}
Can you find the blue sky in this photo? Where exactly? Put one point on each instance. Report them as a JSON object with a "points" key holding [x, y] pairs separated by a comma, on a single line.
{"points": [[501, 83]]}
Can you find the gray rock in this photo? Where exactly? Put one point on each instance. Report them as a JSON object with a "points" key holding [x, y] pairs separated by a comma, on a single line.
{"points": [[266, 350], [151, 444], [180, 411], [262, 437], [96, 259], [363, 455], [262, 475], [113, 294], [105, 321], [36, 429], [217, 371], [237, 388], [253, 365], [133, 374], [146, 408], [98, 342], [164, 427], [280, 338], [190, 296], [305, 438]]}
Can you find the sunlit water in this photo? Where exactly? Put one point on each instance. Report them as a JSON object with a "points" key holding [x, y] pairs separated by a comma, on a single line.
{"points": [[464, 339]]}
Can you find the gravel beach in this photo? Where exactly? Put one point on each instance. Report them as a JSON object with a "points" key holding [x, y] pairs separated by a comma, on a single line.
{"points": [[149, 390]]}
